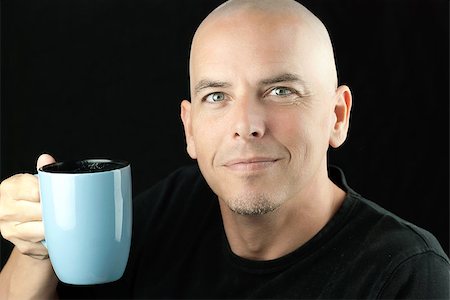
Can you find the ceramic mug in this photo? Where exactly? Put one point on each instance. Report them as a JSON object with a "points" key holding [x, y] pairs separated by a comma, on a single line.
{"points": [[87, 216]]}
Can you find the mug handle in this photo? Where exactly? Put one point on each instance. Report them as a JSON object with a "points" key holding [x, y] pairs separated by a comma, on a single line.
{"points": [[43, 242]]}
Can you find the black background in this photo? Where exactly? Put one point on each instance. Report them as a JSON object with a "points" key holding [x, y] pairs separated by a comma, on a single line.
{"points": [[104, 78]]}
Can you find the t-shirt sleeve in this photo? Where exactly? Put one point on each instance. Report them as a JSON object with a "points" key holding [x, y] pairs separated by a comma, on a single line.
{"points": [[422, 276]]}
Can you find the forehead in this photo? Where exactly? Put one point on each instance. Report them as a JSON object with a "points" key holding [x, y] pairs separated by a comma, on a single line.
{"points": [[253, 47]]}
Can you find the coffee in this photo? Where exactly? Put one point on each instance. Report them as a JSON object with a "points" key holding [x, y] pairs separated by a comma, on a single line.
{"points": [[85, 166]]}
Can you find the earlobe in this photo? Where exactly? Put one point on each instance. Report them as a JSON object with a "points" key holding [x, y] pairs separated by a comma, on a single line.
{"points": [[186, 119], [342, 110]]}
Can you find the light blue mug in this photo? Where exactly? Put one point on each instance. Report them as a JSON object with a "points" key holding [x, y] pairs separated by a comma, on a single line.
{"points": [[87, 215]]}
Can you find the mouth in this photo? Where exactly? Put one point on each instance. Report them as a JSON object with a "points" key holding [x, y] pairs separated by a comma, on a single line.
{"points": [[250, 164]]}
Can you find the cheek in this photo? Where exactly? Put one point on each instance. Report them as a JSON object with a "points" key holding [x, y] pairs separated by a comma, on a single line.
{"points": [[206, 135], [290, 127], [302, 133]]}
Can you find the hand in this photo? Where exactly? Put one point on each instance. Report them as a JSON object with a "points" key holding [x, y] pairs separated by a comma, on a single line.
{"points": [[21, 214]]}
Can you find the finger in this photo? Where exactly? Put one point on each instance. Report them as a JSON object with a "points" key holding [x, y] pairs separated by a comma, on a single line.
{"points": [[20, 187], [21, 211], [26, 232], [44, 159], [30, 231], [35, 250]]}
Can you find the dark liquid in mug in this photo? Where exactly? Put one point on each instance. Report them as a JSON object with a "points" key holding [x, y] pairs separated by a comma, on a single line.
{"points": [[85, 166]]}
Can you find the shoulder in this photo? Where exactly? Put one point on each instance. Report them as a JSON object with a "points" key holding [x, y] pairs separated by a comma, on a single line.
{"points": [[385, 255], [424, 275], [395, 233], [380, 230], [409, 259]]}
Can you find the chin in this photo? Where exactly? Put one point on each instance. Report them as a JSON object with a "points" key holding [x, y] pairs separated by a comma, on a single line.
{"points": [[254, 211], [253, 204]]}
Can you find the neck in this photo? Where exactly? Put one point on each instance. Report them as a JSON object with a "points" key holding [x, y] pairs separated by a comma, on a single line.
{"points": [[275, 234]]}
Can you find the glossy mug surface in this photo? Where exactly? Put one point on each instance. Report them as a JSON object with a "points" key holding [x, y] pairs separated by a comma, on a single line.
{"points": [[87, 215]]}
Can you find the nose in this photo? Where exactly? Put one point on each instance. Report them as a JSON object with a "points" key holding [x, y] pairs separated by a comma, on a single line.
{"points": [[249, 119]]}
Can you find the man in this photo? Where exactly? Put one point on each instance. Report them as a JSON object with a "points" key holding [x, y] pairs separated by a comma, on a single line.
{"points": [[263, 216]]}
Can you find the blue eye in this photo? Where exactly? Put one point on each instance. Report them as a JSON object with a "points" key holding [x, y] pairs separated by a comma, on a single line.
{"points": [[281, 91], [215, 97]]}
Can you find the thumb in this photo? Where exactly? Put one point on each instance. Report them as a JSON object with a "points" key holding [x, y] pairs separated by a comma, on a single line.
{"points": [[44, 159]]}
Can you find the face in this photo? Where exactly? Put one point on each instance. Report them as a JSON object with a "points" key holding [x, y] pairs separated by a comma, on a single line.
{"points": [[262, 112]]}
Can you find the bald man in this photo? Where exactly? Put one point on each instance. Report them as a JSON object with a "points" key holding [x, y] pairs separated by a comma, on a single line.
{"points": [[262, 216]]}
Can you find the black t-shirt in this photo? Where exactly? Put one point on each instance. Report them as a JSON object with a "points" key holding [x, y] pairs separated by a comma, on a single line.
{"points": [[180, 250]]}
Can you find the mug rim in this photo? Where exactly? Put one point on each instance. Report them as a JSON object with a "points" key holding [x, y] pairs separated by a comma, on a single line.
{"points": [[48, 168]]}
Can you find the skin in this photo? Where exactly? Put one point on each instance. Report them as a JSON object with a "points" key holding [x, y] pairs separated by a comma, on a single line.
{"points": [[28, 274], [264, 110], [261, 144]]}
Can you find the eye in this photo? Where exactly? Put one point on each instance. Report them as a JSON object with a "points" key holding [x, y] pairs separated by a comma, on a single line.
{"points": [[282, 95], [215, 97], [281, 91]]}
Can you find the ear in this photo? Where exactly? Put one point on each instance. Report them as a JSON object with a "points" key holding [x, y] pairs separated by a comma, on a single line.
{"points": [[342, 109], [186, 118]]}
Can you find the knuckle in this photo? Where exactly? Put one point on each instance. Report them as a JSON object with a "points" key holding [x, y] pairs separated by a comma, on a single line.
{"points": [[23, 248], [13, 181], [6, 213], [6, 232], [10, 183], [4, 186], [25, 186]]}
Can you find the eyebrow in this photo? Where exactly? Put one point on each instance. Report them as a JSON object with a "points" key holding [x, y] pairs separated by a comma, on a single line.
{"points": [[285, 77], [204, 84]]}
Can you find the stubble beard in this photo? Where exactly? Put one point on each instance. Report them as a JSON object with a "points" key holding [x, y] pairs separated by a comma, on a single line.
{"points": [[253, 204]]}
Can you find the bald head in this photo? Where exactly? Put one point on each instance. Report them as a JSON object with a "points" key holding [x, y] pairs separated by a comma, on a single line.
{"points": [[285, 22], [283, 7]]}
